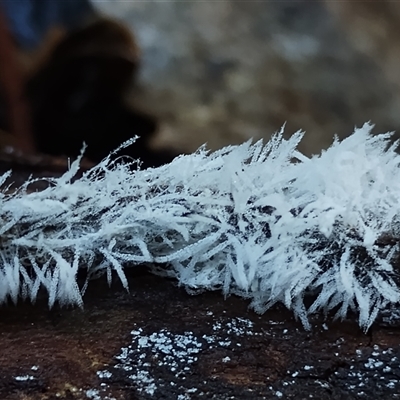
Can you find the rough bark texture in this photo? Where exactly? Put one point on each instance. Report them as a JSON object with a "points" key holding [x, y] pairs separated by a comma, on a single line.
{"points": [[61, 353]]}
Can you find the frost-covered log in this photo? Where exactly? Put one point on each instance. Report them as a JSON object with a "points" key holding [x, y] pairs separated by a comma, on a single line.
{"points": [[261, 221]]}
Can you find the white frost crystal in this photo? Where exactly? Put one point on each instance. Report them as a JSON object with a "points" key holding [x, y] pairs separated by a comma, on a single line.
{"points": [[261, 221]]}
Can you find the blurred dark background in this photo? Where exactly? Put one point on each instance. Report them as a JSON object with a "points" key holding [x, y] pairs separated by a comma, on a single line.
{"points": [[180, 74]]}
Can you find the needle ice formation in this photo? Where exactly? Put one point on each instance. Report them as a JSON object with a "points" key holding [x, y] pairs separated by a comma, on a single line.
{"points": [[261, 221]]}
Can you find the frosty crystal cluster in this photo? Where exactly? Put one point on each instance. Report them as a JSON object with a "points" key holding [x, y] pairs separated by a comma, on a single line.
{"points": [[261, 221]]}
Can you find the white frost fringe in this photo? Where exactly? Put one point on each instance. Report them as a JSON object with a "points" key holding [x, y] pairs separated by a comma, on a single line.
{"points": [[261, 221]]}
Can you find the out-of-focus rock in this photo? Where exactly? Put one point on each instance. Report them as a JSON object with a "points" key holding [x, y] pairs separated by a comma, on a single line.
{"points": [[78, 96], [65, 75], [374, 30], [222, 72]]}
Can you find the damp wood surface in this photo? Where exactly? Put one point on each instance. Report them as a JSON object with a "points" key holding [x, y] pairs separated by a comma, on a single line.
{"points": [[70, 353]]}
